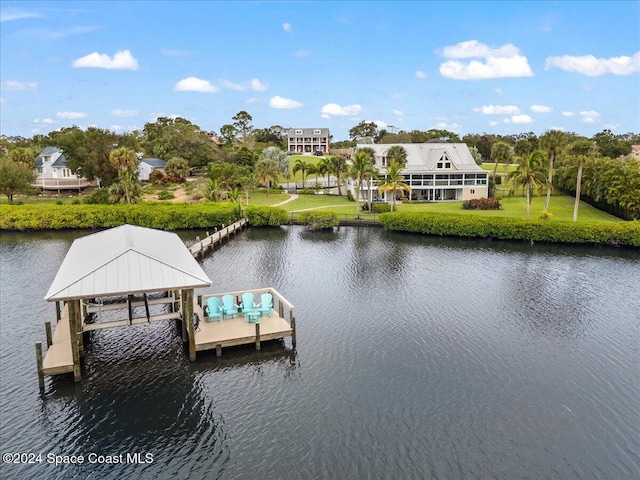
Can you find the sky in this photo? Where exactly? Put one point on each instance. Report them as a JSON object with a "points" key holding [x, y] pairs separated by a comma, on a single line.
{"points": [[468, 67]]}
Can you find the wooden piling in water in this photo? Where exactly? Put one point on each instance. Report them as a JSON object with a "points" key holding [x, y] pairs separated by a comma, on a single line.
{"points": [[187, 316], [47, 328], [293, 329], [39, 363], [257, 335], [58, 312], [74, 323], [218, 350]]}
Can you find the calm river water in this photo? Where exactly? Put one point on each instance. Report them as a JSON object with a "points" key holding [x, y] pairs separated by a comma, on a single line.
{"points": [[417, 358]]}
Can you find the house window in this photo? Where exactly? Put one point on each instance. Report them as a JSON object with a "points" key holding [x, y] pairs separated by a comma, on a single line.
{"points": [[439, 165], [447, 165], [298, 132], [384, 161], [316, 132], [472, 191]]}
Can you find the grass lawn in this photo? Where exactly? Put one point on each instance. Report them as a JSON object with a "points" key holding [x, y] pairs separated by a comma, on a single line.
{"points": [[304, 202], [310, 159], [502, 168], [259, 198]]}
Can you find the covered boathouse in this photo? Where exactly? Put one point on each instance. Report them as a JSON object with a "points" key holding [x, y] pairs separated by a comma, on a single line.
{"points": [[108, 278]]}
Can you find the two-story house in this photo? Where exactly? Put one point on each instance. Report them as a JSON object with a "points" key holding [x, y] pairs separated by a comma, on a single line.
{"points": [[52, 172], [308, 140]]}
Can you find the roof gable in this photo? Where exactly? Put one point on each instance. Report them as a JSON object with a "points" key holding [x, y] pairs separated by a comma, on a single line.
{"points": [[154, 162]]}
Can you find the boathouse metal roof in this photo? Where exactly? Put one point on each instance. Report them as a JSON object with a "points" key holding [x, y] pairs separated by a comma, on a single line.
{"points": [[126, 260]]}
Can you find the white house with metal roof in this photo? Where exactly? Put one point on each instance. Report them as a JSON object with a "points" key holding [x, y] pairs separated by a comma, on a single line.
{"points": [[148, 165], [52, 172], [435, 171], [308, 140]]}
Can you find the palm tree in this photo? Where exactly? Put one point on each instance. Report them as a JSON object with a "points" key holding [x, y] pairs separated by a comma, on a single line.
{"points": [[322, 168], [551, 139], [501, 152], [264, 171], [398, 154], [301, 166], [338, 166], [361, 169], [582, 149], [393, 181], [530, 174], [278, 156], [124, 160]]}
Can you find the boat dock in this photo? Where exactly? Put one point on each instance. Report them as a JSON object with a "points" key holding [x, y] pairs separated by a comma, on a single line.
{"points": [[210, 241]]}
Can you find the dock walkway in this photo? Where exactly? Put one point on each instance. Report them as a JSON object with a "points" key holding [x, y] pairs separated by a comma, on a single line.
{"points": [[209, 242], [59, 358]]}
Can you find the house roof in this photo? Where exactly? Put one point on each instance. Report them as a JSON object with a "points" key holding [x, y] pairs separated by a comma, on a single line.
{"points": [[126, 260], [154, 162], [425, 156], [308, 132], [60, 161]]}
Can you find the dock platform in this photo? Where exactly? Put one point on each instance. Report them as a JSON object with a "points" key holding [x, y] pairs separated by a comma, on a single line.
{"points": [[59, 358], [209, 242]]}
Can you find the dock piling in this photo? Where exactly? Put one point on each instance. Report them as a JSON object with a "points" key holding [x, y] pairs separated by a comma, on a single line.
{"points": [[39, 362], [257, 335], [47, 327]]}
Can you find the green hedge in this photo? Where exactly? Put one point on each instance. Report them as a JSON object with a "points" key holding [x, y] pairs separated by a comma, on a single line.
{"points": [[266, 216], [315, 220], [153, 215], [619, 234]]}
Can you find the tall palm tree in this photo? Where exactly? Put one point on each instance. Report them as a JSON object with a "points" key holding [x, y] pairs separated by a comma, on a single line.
{"points": [[124, 160], [264, 171], [278, 156], [393, 181], [398, 154], [301, 166], [338, 166], [582, 149], [501, 152], [551, 140], [530, 174], [322, 168], [361, 169]]}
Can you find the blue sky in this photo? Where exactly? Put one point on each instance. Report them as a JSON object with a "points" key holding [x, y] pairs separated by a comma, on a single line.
{"points": [[469, 67]]}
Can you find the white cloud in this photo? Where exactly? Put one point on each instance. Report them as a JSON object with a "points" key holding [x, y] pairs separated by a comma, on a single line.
{"points": [[421, 75], [11, 13], [301, 53], [501, 62], [398, 113], [519, 119], [540, 109], [493, 123], [173, 52], [254, 84], [611, 126], [71, 115], [287, 27], [252, 100], [14, 85], [593, 67], [380, 123], [116, 128], [122, 60], [258, 86], [333, 109], [325, 116], [71, 31], [238, 87], [497, 109], [284, 103], [589, 116], [452, 127], [568, 114], [195, 84], [497, 91], [44, 121], [560, 129], [124, 113]]}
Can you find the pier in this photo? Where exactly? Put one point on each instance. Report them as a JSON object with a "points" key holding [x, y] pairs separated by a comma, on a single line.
{"points": [[132, 275], [200, 247]]}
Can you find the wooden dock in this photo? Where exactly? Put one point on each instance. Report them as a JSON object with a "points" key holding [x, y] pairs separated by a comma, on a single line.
{"points": [[59, 358], [210, 241]]}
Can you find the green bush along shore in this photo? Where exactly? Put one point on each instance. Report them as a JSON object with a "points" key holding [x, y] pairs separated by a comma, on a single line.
{"points": [[618, 234]]}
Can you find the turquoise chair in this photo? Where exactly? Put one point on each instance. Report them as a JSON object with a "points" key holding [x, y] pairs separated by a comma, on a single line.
{"points": [[247, 304], [266, 303], [228, 307], [214, 310]]}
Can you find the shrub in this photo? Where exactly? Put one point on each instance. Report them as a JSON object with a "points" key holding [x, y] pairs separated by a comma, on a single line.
{"points": [[100, 196], [482, 204], [306, 191], [380, 207], [315, 220], [157, 177], [166, 196], [266, 216], [154, 215], [545, 215], [350, 196], [605, 233]]}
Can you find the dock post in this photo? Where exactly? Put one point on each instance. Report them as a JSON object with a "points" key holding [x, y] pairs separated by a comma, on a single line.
{"points": [[58, 316], [47, 327], [187, 316], [74, 313], [218, 350], [257, 335], [280, 309], [39, 362], [293, 329]]}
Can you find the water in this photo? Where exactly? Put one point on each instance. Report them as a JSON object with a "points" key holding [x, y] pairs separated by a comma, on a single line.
{"points": [[416, 358]]}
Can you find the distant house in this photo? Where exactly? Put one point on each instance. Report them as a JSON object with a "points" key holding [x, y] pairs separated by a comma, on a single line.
{"points": [[53, 173], [308, 140], [635, 151], [435, 171], [148, 165]]}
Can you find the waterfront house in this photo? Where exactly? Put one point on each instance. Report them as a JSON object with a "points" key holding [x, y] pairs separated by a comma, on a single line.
{"points": [[308, 140], [435, 171], [148, 165], [52, 172]]}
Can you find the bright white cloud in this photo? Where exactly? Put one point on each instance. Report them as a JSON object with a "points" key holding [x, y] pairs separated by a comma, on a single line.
{"points": [[124, 113], [498, 109], [452, 127], [421, 75], [284, 103], [287, 27], [254, 84], [11, 13], [519, 119], [238, 87], [568, 114], [380, 123], [589, 116], [122, 60], [43, 121], [301, 53], [71, 115], [593, 67], [333, 109], [14, 85], [173, 52], [398, 113], [258, 86], [502, 62], [540, 109], [195, 84]]}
